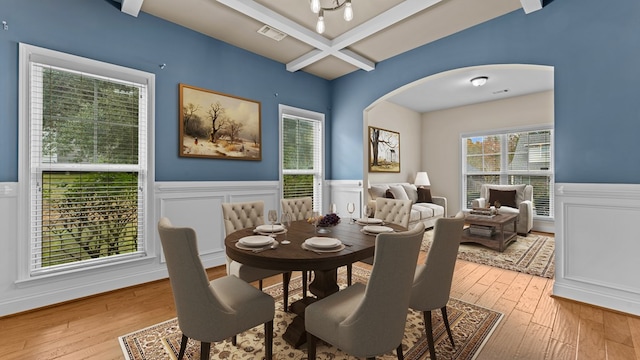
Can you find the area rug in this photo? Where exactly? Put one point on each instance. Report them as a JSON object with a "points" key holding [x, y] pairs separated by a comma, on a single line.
{"points": [[471, 326], [532, 254]]}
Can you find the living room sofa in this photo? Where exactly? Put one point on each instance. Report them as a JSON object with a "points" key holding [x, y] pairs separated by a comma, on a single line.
{"points": [[521, 201], [425, 208]]}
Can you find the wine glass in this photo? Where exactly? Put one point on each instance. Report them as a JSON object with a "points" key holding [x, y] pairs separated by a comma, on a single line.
{"points": [[285, 220], [351, 207], [273, 217], [315, 221], [333, 208], [367, 211]]}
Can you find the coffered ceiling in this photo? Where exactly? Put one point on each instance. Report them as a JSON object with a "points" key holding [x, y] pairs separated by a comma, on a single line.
{"points": [[379, 30]]}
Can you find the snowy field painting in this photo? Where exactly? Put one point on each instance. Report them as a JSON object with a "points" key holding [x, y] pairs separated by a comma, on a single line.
{"points": [[219, 126]]}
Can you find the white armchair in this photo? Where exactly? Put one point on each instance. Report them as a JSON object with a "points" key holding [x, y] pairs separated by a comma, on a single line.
{"points": [[522, 203]]}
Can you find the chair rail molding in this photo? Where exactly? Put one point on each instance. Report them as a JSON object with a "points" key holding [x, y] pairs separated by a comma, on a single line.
{"points": [[597, 245]]}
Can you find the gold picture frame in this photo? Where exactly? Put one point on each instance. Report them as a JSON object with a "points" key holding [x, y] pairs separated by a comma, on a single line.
{"points": [[384, 150], [219, 126]]}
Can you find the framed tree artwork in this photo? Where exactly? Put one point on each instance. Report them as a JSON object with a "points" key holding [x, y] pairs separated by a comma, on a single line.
{"points": [[219, 126], [384, 150]]}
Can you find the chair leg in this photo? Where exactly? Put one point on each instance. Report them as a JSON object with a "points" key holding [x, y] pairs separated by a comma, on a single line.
{"points": [[286, 278], [311, 346], [234, 340], [349, 273], [183, 346], [399, 352], [268, 340], [429, 333], [260, 284], [371, 358], [446, 323], [205, 348]]}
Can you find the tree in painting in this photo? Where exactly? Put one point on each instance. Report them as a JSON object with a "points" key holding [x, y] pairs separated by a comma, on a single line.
{"points": [[384, 148]]}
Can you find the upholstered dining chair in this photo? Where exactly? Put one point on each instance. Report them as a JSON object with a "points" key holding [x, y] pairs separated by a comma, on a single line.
{"points": [[238, 216], [432, 280], [210, 311], [301, 209], [368, 320], [391, 211]]}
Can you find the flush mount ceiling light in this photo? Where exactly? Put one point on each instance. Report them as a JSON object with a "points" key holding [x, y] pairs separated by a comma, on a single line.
{"points": [[479, 81], [317, 8]]}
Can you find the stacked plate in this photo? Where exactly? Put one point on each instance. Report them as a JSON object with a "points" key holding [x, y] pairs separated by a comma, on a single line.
{"points": [[254, 242], [270, 229], [369, 221], [323, 244], [376, 229]]}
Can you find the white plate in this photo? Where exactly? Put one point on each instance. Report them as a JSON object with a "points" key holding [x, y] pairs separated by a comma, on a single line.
{"points": [[268, 229], [256, 240], [374, 229], [323, 242], [369, 221]]}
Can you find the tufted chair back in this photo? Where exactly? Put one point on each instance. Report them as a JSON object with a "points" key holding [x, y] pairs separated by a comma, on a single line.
{"points": [[393, 211], [239, 216], [300, 208]]}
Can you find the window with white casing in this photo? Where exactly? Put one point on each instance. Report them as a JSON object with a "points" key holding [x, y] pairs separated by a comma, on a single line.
{"points": [[510, 157], [301, 154], [85, 157]]}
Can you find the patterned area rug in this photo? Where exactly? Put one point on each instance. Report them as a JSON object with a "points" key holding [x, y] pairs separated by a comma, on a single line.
{"points": [[532, 254], [471, 326]]}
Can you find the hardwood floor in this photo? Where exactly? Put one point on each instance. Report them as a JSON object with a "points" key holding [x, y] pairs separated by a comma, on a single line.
{"points": [[535, 324]]}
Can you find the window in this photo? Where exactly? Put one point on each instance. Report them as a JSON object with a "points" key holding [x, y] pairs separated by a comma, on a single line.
{"points": [[84, 152], [301, 154], [519, 157]]}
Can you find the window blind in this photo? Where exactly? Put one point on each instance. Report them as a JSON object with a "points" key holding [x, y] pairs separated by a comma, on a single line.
{"points": [[302, 159], [87, 165]]}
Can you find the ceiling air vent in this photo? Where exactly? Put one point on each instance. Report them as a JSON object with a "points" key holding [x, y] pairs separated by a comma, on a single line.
{"points": [[275, 34]]}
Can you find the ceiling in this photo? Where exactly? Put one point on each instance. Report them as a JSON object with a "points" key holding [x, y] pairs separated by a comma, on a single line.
{"points": [[379, 30]]}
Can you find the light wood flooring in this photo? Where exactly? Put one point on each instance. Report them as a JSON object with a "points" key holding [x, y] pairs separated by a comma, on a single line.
{"points": [[535, 324]]}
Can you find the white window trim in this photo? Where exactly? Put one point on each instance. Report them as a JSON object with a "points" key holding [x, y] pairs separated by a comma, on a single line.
{"points": [[500, 131], [28, 53], [305, 114]]}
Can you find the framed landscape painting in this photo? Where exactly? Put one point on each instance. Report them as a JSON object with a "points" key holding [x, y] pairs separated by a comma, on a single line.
{"points": [[384, 150], [219, 126]]}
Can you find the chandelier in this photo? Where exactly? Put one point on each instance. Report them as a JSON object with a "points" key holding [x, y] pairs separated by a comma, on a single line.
{"points": [[317, 8]]}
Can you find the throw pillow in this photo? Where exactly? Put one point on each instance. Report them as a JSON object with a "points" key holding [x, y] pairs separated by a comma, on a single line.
{"points": [[388, 194], [505, 197], [377, 191], [398, 192], [424, 195], [411, 191]]}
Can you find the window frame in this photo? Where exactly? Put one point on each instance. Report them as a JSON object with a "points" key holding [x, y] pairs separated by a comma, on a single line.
{"points": [[27, 55], [284, 110], [503, 173]]}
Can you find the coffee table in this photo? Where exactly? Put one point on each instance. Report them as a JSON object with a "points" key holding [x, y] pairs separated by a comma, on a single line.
{"points": [[502, 235]]}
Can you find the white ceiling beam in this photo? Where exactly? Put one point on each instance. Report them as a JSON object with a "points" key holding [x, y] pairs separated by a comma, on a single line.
{"points": [[325, 47], [362, 31], [272, 18], [530, 6], [131, 7]]}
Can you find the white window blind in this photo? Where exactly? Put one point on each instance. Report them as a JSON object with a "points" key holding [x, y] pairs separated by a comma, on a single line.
{"points": [[87, 168], [302, 162], [517, 157]]}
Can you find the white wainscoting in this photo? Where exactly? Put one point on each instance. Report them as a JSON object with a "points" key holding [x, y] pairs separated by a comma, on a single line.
{"points": [[198, 205], [194, 204], [598, 244], [344, 192]]}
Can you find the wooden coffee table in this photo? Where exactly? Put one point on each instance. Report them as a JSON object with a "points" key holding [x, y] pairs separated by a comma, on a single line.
{"points": [[501, 236]]}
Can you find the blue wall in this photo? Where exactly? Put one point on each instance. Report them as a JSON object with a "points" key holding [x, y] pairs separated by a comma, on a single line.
{"points": [[97, 29], [594, 46]]}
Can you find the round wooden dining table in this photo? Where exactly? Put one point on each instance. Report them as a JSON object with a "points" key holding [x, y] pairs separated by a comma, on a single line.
{"points": [[293, 257]]}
